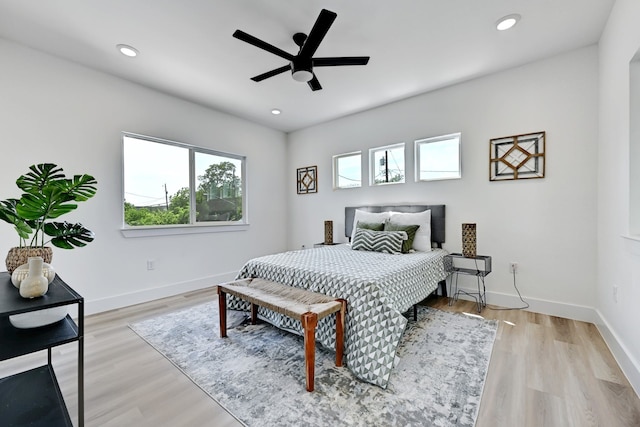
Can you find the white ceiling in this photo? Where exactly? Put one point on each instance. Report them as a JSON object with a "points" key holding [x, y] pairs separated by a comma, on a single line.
{"points": [[187, 49]]}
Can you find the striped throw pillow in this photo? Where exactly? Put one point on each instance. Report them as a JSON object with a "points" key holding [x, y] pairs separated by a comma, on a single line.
{"points": [[389, 242]]}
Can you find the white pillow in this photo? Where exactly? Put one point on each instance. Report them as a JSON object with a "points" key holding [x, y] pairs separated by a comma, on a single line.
{"points": [[365, 216], [422, 241]]}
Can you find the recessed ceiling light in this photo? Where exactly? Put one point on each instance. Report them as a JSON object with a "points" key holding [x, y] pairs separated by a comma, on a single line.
{"points": [[127, 50], [275, 111], [507, 22]]}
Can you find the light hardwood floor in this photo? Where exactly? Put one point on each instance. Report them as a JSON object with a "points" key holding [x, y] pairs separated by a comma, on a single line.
{"points": [[544, 371]]}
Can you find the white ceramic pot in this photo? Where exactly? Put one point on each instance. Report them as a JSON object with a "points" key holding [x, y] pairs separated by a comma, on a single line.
{"points": [[21, 273], [35, 319]]}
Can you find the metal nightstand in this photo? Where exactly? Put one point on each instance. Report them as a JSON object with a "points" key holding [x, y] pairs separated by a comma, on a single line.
{"points": [[479, 266]]}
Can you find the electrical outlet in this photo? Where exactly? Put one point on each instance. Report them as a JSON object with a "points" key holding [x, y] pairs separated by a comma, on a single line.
{"points": [[514, 266], [151, 264], [615, 294]]}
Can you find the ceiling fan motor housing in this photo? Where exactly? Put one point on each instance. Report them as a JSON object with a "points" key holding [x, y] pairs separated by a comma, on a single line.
{"points": [[301, 69]]}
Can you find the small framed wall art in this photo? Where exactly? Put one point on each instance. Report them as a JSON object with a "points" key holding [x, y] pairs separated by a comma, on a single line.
{"points": [[517, 157], [307, 178]]}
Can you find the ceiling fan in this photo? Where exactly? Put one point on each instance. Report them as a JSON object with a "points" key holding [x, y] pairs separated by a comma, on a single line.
{"points": [[301, 65]]}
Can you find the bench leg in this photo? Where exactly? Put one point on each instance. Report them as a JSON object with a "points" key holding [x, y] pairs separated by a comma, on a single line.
{"points": [[254, 313], [222, 310], [340, 319], [309, 322]]}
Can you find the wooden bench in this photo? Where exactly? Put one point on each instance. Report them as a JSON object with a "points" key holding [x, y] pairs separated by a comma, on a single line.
{"points": [[300, 304]]}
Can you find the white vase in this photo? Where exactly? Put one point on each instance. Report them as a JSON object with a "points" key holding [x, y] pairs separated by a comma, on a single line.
{"points": [[35, 284], [21, 273]]}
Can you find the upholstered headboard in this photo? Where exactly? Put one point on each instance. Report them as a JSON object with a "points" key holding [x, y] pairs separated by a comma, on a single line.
{"points": [[437, 217]]}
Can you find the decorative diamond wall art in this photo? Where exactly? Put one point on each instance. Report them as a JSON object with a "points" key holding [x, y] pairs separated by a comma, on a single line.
{"points": [[517, 157], [307, 180]]}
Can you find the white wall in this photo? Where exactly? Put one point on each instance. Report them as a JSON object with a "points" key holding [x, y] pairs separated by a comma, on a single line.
{"points": [[546, 225], [56, 111], [618, 255]]}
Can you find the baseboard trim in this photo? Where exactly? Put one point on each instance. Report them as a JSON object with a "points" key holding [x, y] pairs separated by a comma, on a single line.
{"points": [[551, 308], [629, 365], [150, 294]]}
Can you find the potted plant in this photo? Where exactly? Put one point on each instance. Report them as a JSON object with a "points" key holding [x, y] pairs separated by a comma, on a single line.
{"points": [[47, 195]]}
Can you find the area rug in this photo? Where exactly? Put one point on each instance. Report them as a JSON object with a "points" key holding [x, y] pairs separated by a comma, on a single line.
{"points": [[258, 375]]}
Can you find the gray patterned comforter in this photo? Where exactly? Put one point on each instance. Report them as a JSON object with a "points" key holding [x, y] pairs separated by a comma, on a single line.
{"points": [[378, 288]]}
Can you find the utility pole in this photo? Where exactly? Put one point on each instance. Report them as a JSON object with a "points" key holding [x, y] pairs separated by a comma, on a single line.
{"points": [[166, 196]]}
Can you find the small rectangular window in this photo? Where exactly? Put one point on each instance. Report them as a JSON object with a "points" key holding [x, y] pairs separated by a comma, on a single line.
{"points": [[386, 164], [170, 183], [438, 158], [347, 170]]}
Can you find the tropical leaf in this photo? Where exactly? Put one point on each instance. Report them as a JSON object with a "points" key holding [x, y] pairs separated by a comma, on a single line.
{"points": [[8, 214], [81, 187], [50, 203], [68, 236], [39, 177]]}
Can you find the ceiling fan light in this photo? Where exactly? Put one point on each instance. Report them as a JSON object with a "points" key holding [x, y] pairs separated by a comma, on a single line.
{"points": [[302, 76]]}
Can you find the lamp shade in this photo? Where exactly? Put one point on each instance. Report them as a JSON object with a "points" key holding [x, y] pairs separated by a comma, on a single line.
{"points": [[328, 232], [469, 240]]}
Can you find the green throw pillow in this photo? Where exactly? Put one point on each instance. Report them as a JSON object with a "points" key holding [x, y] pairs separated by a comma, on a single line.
{"points": [[409, 229], [375, 226]]}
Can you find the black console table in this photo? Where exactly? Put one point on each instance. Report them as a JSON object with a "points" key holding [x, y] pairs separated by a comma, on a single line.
{"points": [[33, 398]]}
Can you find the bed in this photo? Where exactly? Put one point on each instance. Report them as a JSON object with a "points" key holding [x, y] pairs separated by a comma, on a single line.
{"points": [[379, 288]]}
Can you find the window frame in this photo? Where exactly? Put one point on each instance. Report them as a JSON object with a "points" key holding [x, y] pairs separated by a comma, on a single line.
{"points": [[423, 141], [193, 226], [336, 176], [372, 169]]}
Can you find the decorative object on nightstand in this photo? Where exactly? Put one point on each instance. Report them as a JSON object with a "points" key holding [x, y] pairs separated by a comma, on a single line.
{"points": [[469, 240], [478, 266], [307, 180], [517, 157], [328, 232], [20, 273], [35, 284]]}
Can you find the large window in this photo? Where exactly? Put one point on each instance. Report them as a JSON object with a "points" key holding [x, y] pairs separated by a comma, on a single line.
{"points": [[169, 183], [438, 158], [347, 170], [386, 164]]}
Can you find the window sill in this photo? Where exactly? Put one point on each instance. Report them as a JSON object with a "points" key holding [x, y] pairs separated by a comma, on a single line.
{"points": [[150, 231]]}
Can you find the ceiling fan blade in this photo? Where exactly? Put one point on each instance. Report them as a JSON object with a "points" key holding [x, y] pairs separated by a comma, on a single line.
{"points": [[314, 84], [271, 73], [341, 60], [319, 30], [241, 35]]}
